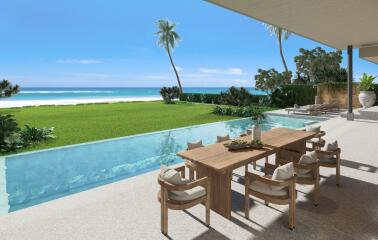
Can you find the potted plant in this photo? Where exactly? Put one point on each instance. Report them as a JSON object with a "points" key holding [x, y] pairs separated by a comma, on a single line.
{"points": [[367, 95], [258, 116]]}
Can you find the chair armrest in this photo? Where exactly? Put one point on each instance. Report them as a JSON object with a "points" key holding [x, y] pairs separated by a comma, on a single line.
{"points": [[199, 182], [190, 165], [324, 152], [181, 170], [278, 183]]}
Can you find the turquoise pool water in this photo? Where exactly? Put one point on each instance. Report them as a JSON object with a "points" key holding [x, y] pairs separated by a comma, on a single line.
{"points": [[32, 178]]}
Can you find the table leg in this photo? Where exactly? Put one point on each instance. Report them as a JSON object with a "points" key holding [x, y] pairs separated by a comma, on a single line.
{"points": [[220, 190]]}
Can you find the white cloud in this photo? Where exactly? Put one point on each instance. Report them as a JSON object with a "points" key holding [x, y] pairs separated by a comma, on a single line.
{"points": [[78, 61], [229, 71]]}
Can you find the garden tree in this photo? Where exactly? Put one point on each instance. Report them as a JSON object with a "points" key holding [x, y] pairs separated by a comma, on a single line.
{"points": [[168, 39], [7, 89], [271, 79], [316, 66], [279, 33]]}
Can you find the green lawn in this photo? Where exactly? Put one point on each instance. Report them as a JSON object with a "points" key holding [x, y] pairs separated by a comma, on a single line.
{"points": [[82, 123]]}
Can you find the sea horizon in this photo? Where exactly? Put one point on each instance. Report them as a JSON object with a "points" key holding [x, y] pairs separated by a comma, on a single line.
{"points": [[71, 93]]}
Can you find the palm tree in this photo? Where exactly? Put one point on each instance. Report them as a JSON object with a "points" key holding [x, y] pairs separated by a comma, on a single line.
{"points": [[168, 39], [7, 89], [279, 33]]}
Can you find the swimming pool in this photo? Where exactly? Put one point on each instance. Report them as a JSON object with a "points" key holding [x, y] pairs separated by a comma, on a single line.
{"points": [[31, 178]]}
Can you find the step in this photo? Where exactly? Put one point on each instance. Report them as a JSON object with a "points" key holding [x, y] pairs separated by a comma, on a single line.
{"points": [[364, 113]]}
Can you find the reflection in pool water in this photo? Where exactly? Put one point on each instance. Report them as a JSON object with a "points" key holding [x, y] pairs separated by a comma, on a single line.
{"points": [[32, 178]]}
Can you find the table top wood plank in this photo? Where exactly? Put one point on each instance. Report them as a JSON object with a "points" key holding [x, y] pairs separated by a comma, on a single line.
{"points": [[219, 158]]}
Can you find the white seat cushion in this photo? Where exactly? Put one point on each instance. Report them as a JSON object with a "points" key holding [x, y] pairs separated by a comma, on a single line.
{"points": [[264, 188], [312, 128], [193, 145], [332, 146], [173, 177], [306, 159], [316, 141], [187, 195], [283, 172]]}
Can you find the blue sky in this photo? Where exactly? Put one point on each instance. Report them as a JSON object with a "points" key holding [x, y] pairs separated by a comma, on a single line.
{"points": [[97, 43]]}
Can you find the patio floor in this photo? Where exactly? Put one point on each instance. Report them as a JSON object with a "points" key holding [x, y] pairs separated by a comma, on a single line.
{"points": [[128, 209]]}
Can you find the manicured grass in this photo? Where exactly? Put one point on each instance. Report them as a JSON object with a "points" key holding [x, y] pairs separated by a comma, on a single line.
{"points": [[83, 123]]}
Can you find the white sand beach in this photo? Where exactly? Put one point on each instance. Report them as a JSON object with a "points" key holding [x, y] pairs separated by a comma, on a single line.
{"points": [[25, 103]]}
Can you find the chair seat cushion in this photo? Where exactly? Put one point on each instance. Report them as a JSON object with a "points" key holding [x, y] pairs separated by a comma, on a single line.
{"points": [[283, 173], [317, 141], [194, 145], [187, 195], [264, 188], [172, 176], [312, 128], [306, 159]]}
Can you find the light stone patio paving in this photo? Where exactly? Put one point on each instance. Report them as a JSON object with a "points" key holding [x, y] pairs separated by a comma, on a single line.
{"points": [[128, 209]]}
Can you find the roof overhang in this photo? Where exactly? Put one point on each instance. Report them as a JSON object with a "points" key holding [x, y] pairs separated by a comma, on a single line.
{"points": [[336, 23]]}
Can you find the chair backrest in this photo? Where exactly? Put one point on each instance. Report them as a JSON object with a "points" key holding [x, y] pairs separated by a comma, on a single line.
{"points": [[194, 145], [223, 138]]}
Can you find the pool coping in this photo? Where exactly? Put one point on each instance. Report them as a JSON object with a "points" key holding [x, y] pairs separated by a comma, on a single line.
{"points": [[149, 133]]}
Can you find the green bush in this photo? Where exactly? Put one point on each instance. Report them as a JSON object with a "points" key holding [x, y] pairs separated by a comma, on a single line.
{"points": [[234, 97], [288, 95], [249, 111], [12, 137], [169, 94]]}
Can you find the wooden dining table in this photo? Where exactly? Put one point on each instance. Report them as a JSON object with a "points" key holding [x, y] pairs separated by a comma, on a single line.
{"points": [[217, 162]]}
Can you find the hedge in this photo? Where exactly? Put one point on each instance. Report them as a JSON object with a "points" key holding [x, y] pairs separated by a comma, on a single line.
{"points": [[288, 95], [213, 98]]}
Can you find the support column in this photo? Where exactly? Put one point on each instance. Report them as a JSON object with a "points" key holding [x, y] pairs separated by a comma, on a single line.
{"points": [[350, 115]]}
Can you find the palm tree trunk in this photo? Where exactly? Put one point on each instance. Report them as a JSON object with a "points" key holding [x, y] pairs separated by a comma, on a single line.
{"points": [[281, 53], [174, 68]]}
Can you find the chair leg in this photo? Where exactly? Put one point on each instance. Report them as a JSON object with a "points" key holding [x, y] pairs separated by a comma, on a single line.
{"points": [[338, 175], [254, 165], [316, 193], [292, 209], [208, 202], [246, 203], [164, 212], [191, 174]]}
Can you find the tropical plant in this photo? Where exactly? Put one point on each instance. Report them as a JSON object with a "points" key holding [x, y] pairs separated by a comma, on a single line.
{"points": [[318, 66], [7, 89], [236, 97], [31, 135], [280, 33], [367, 82], [269, 80], [249, 111], [169, 94], [9, 132], [168, 39]]}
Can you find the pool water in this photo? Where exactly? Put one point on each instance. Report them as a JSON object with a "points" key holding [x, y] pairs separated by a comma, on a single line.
{"points": [[31, 178]]}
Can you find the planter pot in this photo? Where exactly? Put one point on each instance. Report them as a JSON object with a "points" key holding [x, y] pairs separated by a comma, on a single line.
{"points": [[367, 98], [256, 133]]}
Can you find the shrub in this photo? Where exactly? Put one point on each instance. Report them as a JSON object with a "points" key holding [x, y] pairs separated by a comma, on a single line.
{"points": [[12, 137], [31, 135], [250, 111], [169, 94], [200, 97], [288, 95]]}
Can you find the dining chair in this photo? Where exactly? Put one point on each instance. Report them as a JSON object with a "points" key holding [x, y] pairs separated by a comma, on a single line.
{"points": [[307, 171], [330, 157], [278, 188], [223, 138], [317, 142], [178, 193], [189, 164]]}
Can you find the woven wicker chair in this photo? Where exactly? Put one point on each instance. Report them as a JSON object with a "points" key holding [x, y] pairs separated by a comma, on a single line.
{"points": [[180, 197]]}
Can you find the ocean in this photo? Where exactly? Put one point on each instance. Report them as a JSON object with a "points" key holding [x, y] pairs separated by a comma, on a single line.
{"points": [[102, 93]]}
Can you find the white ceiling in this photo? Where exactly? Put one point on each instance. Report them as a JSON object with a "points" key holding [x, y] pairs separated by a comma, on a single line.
{"points": [[336, 23]]}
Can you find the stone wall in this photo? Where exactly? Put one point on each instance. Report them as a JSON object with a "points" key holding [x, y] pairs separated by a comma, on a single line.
{"points": [[328, 93]]}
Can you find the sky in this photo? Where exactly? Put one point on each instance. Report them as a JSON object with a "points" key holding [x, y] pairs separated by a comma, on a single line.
{"points": [[99, 43]]}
